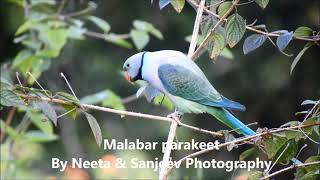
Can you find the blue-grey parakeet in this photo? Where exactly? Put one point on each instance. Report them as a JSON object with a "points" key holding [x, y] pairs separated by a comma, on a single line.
{"points": [[183, 82]]}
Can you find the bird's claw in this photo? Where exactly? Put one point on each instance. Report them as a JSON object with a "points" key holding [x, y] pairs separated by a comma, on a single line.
{"points": [[176, 116]]}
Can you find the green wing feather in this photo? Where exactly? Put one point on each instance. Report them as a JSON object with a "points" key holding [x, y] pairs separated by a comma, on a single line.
{"points": [[180, 81]]}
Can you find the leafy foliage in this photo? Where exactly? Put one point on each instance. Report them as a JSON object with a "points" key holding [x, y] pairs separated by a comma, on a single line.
{"points": [[235, 27]]}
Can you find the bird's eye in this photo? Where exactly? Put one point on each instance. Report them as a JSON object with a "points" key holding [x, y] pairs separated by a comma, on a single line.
{"points": [[128, 65]]}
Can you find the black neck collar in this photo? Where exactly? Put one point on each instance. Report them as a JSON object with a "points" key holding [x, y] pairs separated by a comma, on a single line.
{"points": [[139, 75]]}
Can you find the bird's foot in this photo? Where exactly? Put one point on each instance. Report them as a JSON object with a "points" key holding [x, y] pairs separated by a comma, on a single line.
{"points": [[176, 116]]}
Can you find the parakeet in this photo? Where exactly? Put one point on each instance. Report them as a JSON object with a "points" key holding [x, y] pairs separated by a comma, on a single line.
{"points": [[182, 81]]}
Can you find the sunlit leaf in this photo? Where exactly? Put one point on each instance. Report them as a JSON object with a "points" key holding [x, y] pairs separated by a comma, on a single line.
{"points": [[75, 32], [178, 4], [298, 57], [226, 53], [57, 38], [139, 38], [94, 127], [147, 27], [302, 31], [36, 2], [163, 101], [23, 28], [218, 44], [284, 39], [113, 101], [262, 3], [255, 175], [102, 24], [72, 111], [253, 42], [95, 98], [118, 40], [235, 27], [224, 7]]}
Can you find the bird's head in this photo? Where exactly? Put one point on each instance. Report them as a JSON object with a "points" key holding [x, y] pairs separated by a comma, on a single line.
{"points": [[133, 67]]}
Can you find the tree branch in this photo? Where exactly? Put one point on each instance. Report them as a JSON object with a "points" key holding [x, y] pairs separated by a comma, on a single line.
{"points": [[207, 38], [243, 139], [290, 167], [256, 30], [121, 113]]}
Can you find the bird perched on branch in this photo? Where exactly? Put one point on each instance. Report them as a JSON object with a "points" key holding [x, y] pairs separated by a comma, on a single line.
{"points": [[183, 82]]}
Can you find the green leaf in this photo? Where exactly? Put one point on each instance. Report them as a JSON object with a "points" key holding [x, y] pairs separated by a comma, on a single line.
{"points": [[72, 109], [235, 27], [113, 101], [178, 4], [262, 3], [13, 134], [5, 77], [273, 144], [253, 42], [95, 98], [284, 39], [41, 122], [118, 40], [218, 44], [39, 137], [286, 152], [37, 2], [310, 172], [224, 7], [23, 28], [311, 120], [68, 97], [302, 31], [57, 38], [94, 127], [200, 38], [226, 53], [47, 110], [147, 27], [163, 101], [139, 38], [247, 153], [207, 23], [298, 57], [75, 32], [9, 98], [255, 175], [102, 24]]}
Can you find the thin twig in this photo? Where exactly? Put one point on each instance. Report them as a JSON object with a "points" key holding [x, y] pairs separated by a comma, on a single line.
{"points": [[240, 140], [8, 122], [121, 113], [172, 133], [208, 36], [311, 38], [290, 167]]}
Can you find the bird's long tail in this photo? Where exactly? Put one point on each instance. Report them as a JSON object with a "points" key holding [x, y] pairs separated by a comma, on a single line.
{"points": [[228, 119]]}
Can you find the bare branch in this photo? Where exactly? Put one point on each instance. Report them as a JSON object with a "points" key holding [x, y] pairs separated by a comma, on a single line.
{"points": [[122, 113], [290, 167]]}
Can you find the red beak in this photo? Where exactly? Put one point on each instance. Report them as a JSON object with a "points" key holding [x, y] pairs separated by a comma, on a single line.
{"points": [[128, 78]]}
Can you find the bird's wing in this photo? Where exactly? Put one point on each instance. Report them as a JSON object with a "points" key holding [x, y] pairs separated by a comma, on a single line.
{"points": [[182, 82]]}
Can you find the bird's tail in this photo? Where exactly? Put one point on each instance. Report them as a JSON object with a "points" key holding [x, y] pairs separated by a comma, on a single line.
{"points": [[228, 119]]}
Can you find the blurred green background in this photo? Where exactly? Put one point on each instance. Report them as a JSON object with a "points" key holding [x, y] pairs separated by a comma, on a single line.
{"points": [[260, 80]]}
